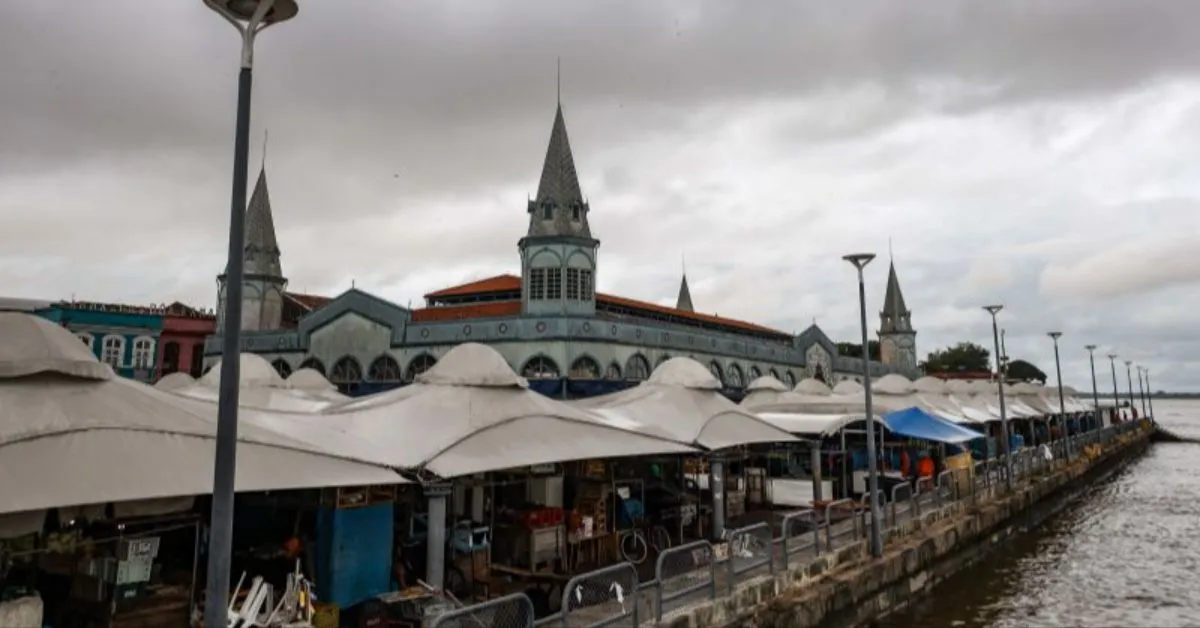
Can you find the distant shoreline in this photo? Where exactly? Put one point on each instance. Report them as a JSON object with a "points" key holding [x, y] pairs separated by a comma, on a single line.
{"points": [[1157, 395]]}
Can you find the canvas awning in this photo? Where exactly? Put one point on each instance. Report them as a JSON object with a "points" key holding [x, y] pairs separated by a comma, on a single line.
{"points": [[73, 433], [919, 424], [682, 401], [812, 425]]}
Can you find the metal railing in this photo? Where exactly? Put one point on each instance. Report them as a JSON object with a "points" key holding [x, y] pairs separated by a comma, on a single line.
{"points": [[692, 573]]}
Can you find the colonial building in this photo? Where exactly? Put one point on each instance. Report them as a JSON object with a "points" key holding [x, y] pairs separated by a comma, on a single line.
{"points": [[123, 336], [549, 322], [181, 343], [897, 338]]}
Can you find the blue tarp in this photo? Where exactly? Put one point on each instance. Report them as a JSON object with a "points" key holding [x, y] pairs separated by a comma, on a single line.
{"points": [[919, 424]]}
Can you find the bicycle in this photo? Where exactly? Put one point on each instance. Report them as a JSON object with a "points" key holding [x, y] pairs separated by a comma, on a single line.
{"points": [[636, 544]]}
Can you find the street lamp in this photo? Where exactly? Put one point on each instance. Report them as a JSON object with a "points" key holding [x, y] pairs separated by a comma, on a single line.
{"points": [[1062, 404], [860, 261], [1141, 391], [249, 17], [1129, 377], [993, 310], [1091, 349], [1149, 394], [1112, 362]]}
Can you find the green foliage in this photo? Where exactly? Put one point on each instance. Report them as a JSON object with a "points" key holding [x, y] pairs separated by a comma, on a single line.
{"points": [[964, 357], [853, 350], [1025, 371]]}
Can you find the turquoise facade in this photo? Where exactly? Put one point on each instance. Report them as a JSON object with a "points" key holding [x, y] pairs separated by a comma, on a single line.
{"points": [[124, 337]]}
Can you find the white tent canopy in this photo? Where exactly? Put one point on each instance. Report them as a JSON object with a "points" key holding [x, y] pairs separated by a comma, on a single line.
{"points": [[174, 381], [767, 390], [813, 425], [847, 387], [310, 379], [263, 388], [814, 387], [468, 414], [682, 401], [72, 433]]}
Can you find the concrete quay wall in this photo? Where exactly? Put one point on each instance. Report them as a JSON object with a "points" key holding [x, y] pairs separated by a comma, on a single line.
{"points": [[848, 588]]}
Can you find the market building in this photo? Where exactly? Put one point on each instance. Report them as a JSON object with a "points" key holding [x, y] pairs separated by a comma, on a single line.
{"points": [[549, 321]]}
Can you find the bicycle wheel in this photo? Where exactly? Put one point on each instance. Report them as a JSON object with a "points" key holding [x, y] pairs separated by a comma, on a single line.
{"points": [[660, 538], [634, 547]]}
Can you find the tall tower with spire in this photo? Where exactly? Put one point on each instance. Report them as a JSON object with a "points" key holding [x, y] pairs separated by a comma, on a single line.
{"points": [[558, 252], [263, 286], [897, 338], [684, 302]]}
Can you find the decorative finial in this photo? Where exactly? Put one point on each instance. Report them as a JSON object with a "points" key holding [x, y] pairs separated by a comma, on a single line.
{"points": [[558, 86], [890, 258], [683, 263], [264, 151]]}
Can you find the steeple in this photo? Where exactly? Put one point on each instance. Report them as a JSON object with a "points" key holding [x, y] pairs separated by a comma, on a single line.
{"points": [[895, 316], [262, 249], [559, 208], [684, 302]]}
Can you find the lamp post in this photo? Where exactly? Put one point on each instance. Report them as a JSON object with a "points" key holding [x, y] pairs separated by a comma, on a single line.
{"points": [[860, 261], [1091, 349], [1112, 362], [993, 310], [1149, 394], [1062, 404], [1141, 391], [1129, 378], [249, 17]]}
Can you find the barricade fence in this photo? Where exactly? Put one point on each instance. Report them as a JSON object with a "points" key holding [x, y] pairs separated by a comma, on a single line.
{"points": [[698, 571]]}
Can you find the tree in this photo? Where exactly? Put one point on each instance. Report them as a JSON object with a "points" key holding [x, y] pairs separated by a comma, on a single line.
{"points": [[853, 350], [1024, 371], [964, 357]]}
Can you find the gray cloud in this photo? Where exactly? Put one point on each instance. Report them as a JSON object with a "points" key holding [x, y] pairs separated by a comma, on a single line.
{"points": [[1037, 154]]}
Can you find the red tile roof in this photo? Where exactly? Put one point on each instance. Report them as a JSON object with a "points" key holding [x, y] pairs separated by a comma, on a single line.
{"points": [[487, 309], [310, 301], [499, 283], [512, 283]]}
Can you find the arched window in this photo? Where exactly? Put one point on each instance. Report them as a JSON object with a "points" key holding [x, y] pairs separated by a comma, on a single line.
{"points": [[384, 369], [717, 371], [820, 374], [170, 357], [419, 365], [114, 351], [613, 371], [314, 364], [540, 367], [735, 378], [282, 367], [86, 339], [775, 374], [584, 368], [143, 353], [662, 359], [347, 370], [789, 378], [755, 373], [197, 365], [637, 367]]}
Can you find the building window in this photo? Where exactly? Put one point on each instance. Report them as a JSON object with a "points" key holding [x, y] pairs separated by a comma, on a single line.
{"points": [[789, 378], [282, 367], [314, 364], [419, 365], [585, 284], [540, 367], [170, 361], [537, 284], [114, 351], [554, 287], [735, 379], [197, 363], [573, 284], [575, 211], [584, 368], [637, 368], [547, 211], [613, 371], [384, 369], [86, 339], [346, 371], [143, 353], [775, 374], [755, 373], [716, 370]]}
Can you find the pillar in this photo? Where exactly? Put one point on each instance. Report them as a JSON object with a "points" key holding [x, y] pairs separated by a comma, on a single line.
{"points": [[815, 452], [435, 557], [716, 482]]}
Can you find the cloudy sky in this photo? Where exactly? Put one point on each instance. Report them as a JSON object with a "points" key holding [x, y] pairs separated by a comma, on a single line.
{"points": [[1040, 155]]}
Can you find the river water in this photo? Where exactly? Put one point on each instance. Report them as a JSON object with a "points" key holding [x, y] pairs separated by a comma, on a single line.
{"points": [[1127, 553]]}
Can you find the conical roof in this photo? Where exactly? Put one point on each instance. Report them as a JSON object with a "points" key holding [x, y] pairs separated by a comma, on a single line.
{"points": [[31, 344], [684, 302], [559, 187], [262, 248]]}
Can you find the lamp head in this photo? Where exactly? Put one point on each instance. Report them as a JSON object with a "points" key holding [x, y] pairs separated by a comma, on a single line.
{"points": [[1090, 348], [1128, 363], [243, 10], [1054, 334], [992, 309], [860, 260], [1112, 356]]}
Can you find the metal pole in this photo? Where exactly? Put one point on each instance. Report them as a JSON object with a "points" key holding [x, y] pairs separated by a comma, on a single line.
{"points": [[876, 542], [1129, 377], [220, 543], [1112, 362], [1062, 405], [1149, 393], [993, 309], [1091, 349], [1141, 391]]}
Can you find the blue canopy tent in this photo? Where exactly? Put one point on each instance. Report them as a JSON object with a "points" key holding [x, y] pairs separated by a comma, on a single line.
{"points": [[919, 424]]}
